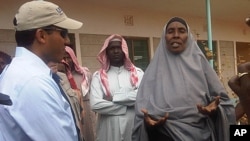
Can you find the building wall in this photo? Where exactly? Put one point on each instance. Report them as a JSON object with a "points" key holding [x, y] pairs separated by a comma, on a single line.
{"points": [[101, 21]]}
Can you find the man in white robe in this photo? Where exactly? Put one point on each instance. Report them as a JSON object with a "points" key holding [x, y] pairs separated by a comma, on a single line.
{"points": [[113, 91]]}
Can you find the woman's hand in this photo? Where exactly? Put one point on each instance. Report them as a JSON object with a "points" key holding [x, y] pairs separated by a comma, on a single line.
{"points": [[152, 122], [211, 108]]}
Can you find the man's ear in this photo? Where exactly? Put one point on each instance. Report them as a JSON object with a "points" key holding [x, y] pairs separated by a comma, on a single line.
{"points": [[41, 35]]}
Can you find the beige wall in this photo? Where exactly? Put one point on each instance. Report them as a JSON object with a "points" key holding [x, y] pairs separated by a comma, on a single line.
{"points": [[91, 44], [99, 22], [227, 63]]}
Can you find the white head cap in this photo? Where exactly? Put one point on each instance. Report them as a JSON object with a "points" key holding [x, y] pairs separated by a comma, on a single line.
{"points": [[116, 39], [36, 14]]}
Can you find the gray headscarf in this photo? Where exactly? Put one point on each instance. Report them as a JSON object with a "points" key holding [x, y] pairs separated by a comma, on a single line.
{"points": [[175, 83]]}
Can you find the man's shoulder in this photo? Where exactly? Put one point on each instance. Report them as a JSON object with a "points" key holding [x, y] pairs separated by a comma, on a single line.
{"points": [[23, 75]]}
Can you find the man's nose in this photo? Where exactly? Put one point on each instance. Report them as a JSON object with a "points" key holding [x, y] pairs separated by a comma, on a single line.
{"points": [[116, 49], [66, 40]]}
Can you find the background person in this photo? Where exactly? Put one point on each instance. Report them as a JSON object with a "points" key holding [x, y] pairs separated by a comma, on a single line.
{"points": [[240, 84], [39, 111], [113, 91], [5, 59], [80, 79], [72, 96], [180, 95]]}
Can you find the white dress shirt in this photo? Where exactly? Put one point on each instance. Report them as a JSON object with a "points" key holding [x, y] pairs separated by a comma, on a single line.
{"points": [[39, 111]]}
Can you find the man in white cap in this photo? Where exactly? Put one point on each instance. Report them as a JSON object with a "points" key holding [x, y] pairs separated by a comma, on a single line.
{"points": [[39, 112]]}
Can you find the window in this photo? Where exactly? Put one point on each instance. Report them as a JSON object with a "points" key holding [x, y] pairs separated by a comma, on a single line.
{"points": [[203, 44], [138, 51]]}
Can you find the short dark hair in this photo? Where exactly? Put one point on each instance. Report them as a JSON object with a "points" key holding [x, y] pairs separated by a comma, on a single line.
{"points": [[26, 38], [6, 57]]}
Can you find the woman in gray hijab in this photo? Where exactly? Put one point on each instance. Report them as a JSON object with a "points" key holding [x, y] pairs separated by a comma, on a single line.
{"points": [[181, 97]]}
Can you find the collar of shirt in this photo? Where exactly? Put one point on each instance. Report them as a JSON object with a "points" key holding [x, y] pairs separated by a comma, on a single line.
{"points": [[24, 53]]}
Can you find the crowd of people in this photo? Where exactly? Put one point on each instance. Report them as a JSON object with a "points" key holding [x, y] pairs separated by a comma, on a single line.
{"points": [[179, 97]]}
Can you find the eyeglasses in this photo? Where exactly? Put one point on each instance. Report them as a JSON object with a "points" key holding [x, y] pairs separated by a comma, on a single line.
{"points": [[63, 32]]}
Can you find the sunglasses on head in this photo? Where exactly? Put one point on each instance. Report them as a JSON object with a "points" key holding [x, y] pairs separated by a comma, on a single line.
{"points": [[63, 32]]}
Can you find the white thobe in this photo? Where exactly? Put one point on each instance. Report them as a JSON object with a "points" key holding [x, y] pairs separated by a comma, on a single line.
{"points": [[116, 117]]}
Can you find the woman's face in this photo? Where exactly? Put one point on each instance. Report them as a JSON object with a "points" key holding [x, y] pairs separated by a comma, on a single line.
{"points": [[176, 37]]}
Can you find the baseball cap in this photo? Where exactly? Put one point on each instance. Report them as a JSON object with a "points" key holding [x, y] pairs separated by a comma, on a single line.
{"points": [[37, 13]]}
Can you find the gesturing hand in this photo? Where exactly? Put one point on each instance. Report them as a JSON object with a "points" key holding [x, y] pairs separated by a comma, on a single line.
{"points": [[152, 122], [211, 108]]}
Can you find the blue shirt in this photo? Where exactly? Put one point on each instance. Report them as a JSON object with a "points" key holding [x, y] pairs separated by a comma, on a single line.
{"points": [[39, 111]]}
